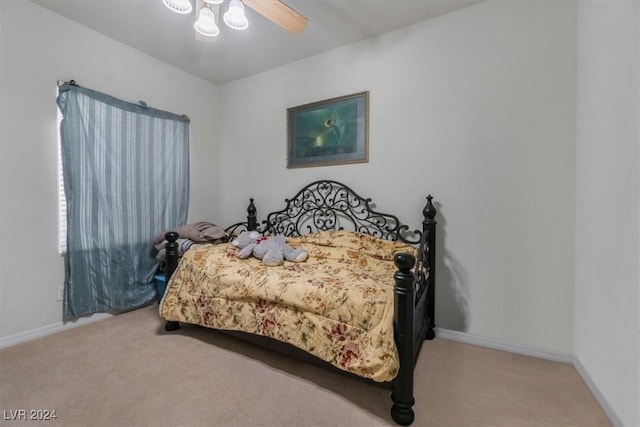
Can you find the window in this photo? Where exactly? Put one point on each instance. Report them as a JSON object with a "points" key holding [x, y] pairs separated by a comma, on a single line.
{"points": [[62, 200]]}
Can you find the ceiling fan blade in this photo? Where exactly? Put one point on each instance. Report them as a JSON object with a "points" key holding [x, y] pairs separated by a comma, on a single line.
{"points": [[279, 13]]}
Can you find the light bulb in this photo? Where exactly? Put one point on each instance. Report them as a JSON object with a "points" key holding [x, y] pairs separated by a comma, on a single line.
{"points": [[206, 23], [179, 6], [234, 17]]}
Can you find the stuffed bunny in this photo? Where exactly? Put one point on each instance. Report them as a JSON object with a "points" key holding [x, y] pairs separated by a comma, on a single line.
{"points": [[272, 251]]}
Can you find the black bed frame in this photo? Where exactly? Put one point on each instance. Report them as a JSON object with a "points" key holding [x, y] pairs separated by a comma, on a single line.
{"points": [[329, 205]]}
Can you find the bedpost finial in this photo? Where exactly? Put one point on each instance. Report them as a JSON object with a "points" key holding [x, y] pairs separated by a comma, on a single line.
{"points": [[252, 217], [404, 261], [251, 208], [429, 210], [171, 236], [403, 277]]}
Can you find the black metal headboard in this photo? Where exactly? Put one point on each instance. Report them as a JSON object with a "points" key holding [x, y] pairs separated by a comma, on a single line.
{"points": [[330, 205]]}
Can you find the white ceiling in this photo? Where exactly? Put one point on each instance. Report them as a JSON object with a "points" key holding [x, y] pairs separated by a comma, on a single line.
{"points": [[148, 26]]}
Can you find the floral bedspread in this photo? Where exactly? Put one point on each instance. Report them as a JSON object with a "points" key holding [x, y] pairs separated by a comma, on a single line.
{"points": [[337, 305]]}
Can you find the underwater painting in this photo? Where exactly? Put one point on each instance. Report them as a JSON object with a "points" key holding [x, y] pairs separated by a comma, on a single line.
{"points": [[329, 132]]}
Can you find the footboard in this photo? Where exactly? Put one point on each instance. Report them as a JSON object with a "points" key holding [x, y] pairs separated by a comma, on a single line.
{"points": [[414, 311]]}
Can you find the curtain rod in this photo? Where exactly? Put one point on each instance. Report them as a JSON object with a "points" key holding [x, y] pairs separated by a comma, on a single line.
{"points": [[70, 82], [141, 104]]}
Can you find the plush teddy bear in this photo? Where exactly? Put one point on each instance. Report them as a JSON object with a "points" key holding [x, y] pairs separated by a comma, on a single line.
{"points": [[272, 251]]}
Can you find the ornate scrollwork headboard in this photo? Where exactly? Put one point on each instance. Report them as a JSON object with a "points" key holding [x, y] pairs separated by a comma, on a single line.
{"points": [[329, 205]]}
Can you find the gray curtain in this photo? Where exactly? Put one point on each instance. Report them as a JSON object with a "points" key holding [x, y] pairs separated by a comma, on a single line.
{"points": [[126, 178]]}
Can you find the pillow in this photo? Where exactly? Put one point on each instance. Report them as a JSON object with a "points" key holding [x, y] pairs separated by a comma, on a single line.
{"points": [[199, 232]]}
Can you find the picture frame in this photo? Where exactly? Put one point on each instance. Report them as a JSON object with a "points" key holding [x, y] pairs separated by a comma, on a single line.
{"points": [[330, 132]]}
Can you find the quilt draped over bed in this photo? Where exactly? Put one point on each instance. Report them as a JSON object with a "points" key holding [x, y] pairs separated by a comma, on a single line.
{"points": [[338, 305]]}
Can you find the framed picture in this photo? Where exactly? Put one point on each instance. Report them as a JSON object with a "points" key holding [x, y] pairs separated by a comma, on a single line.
{"points": [[330, 132]]}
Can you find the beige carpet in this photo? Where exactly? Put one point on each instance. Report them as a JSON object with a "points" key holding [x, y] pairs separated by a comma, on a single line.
{"points": [[126, 371]]}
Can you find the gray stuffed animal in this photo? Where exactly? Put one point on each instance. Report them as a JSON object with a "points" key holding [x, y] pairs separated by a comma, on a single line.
{"points": [[272, 251]]}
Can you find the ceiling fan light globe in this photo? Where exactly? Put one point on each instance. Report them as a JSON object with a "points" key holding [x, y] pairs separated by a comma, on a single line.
{"points": [[235, 17], [182, 7], [206, 23]]}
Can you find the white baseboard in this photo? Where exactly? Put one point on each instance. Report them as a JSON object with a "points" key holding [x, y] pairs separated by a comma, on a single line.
{"points": [[50, 330], [525, 350], [595, 391], [497, 344]]}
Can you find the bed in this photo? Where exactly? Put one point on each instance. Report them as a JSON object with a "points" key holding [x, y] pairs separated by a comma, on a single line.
{"points": [[363, 301]]}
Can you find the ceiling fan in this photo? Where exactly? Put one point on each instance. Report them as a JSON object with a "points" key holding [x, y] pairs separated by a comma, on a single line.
{"points": [[208, 13]]}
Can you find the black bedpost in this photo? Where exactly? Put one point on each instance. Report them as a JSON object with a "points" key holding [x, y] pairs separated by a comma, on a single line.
{"points": [[171, 253], [429, 228], [402, 395], [252, 218], [171, 264]]}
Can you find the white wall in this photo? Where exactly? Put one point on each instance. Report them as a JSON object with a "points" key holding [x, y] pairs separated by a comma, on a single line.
{"points": [[476, 107], [38, 48], [607, 297]]}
